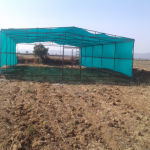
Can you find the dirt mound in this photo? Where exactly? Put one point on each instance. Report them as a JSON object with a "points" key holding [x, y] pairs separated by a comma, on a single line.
{"points": [[141, 75]]}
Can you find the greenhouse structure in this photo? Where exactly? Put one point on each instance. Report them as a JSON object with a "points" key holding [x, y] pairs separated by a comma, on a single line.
{"points": [[96, 50]]}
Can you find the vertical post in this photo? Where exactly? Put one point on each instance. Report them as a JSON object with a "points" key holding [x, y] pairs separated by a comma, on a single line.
{"points": [[114, 60], [132, 58], [63, 59], [13, 54], [17, 54], [60, 56], [71, 61], [6, 53], [92, 55], [1, 54], [81, 58], [10, 53], [85, 56], [102, 56]]}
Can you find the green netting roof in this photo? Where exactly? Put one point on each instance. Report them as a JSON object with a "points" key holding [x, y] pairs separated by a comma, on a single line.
{"points": [[97, 49], [72, 35]]}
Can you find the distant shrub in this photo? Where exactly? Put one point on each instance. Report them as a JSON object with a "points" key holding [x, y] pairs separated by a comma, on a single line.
{"points": [[40, 51]]}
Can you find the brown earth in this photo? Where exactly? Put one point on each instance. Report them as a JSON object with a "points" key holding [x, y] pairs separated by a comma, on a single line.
{"points": [[51, 60], [75, 115]]}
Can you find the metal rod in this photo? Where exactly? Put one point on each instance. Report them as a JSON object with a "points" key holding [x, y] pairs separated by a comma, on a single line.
{"points": [[69, 55], [114, 59], [72, 62], [48, 45], [6, 53], [10, 54], [60, 55], [12, 29], [16, 55], [63, 59], [85, 55], [81, 59], [132, 58], [13, 54], [66, 75], [39, 28], [1, 54], [102, 57], [73, 35], [9, 51], [92, 55]]}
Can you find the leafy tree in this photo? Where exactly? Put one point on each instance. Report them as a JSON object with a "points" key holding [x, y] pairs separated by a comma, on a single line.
{"points": [[40, 51]]}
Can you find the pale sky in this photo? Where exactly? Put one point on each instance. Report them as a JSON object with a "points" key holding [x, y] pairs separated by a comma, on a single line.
{"points": [[128, 18]]}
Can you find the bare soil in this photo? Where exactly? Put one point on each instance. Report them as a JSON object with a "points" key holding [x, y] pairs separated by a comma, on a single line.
{"points": [[76, 115], [51, 60]]}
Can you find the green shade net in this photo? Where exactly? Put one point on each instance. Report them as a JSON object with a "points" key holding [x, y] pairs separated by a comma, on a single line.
{"points": [[99, 50], [117, 57], [7, 51]]}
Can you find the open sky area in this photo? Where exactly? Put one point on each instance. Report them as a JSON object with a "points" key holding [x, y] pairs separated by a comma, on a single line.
{"points": [[128, 18]]}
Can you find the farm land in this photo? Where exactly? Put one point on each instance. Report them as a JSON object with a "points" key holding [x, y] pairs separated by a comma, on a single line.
{"points": [[102, 114]]}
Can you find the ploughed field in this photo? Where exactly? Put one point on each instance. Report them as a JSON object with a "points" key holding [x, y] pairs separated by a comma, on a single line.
{"points": [[95, 115]]}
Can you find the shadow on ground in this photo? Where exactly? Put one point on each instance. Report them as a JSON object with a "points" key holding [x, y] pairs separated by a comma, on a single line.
{"points": [[72, 76]]}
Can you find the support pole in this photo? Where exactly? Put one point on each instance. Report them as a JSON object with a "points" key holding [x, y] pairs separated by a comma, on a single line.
{"points": [[60, 56], [17, 55], [85, 56], [10, 54], [132, 58], [13, 54], [6, 53], [81, 60], [114, 60], [63, 59], [102, 57], [92, 55], [72, 62], [1, 55]]}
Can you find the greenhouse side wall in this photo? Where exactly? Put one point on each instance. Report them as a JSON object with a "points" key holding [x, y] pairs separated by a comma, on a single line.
{"points": [[117, 57], [7, 51]]}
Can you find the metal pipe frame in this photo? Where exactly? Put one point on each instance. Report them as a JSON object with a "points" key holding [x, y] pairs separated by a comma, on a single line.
{"points": [[92, 55], [102, 56], [133, 58], [64, 76], [1, 55], [6, 53], [56, 45], [69, 55], [114, 60], [63, 60], [114, 36], [65, 27], [10, 64], [69, 39], [81, 60], [71, 61]]}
